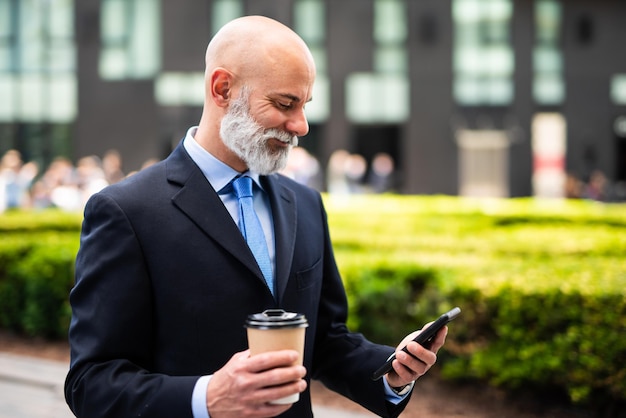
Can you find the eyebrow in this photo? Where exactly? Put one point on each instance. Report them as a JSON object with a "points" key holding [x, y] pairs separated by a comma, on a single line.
{"points": [[292, 97]]}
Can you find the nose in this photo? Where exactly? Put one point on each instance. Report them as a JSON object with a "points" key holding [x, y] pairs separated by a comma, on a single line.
{"points": [[297, 123]]}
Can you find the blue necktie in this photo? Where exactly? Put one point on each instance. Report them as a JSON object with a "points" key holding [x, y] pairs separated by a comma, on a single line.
{"points": [[251, 229]]}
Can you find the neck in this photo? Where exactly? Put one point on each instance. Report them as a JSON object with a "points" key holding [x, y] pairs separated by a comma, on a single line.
{"points": [[207, 136]]}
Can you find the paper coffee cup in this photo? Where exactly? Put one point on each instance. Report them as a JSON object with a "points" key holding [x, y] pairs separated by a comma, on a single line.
{"points": [[273, 330]]}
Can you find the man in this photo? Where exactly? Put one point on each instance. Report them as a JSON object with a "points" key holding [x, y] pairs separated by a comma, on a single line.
{"points": [[165, 278]]}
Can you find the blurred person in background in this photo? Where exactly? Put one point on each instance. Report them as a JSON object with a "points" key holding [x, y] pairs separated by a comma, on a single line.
{"points": [[598, 187], [336, 181], [112, 166], [61, 175], [355, 168], [67, 187], [381, 177], [303, 168], [90, 176], [15, 180]]}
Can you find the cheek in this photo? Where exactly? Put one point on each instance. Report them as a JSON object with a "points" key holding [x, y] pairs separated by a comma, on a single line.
{"points": [[269, 118]]}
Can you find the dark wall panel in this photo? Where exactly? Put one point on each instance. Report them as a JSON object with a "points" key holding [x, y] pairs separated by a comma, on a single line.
{"points": [[430, 152], [186, 32]]}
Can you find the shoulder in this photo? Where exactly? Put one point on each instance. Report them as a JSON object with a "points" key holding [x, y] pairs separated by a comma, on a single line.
{"points": [[141, 182], [143, 192], [173, 171]]}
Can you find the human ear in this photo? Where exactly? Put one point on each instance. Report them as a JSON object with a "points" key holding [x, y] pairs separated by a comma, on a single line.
{"points": [[220, 87]]}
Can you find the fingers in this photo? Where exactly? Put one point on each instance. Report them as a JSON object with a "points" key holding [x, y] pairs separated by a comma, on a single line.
{"points": [[272, 393], [439, 340], [418, 359], [271, 360], [246, 385], [415, 362]]}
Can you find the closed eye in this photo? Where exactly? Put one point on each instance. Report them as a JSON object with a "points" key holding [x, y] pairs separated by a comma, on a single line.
{"points": [[284, 106]]}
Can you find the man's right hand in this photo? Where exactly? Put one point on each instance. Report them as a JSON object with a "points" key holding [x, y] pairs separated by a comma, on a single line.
{"points": [[246, 384]]}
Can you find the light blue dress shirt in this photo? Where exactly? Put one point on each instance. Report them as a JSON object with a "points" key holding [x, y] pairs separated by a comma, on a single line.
{"points": [[219, 176]]}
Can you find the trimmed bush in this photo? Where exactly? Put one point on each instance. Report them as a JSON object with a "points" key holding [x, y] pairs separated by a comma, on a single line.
{"points": [[378, 293], [541, 285], [47, 277], [37, 255]]}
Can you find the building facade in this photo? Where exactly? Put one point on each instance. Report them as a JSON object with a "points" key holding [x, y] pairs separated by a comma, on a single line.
{"points": [[469, 97]]}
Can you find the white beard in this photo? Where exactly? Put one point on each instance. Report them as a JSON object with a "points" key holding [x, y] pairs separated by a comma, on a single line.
{"points": [[246, 138]]}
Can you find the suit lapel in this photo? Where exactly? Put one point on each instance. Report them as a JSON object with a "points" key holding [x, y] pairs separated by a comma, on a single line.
{"points": [[200, 202], [283, 202]]}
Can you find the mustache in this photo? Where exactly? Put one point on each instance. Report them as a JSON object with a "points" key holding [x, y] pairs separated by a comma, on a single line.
{"points": [[282, 136]]}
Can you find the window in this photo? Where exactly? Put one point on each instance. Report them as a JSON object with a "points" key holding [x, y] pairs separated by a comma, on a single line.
{"points": [[37, 61], [180, 89], [548, 84], [483, 58], [377, 98], [390, 25], [618, 89], [38, 83], [383, 96], [224, 11], [310, 24], [310, 21], [130, 34]]}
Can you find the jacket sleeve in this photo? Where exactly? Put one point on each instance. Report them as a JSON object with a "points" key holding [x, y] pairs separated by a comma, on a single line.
{"points": [[111, 331], [344, 361]]}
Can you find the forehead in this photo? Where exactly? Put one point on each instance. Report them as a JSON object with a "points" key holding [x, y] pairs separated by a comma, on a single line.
{"points": [[290, 76]]}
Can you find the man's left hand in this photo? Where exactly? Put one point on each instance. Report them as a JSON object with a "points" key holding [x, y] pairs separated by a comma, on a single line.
{"points": [[409, 367]]}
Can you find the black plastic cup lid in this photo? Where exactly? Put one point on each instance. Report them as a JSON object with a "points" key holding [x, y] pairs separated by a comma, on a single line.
{"points": [[276, 318]]}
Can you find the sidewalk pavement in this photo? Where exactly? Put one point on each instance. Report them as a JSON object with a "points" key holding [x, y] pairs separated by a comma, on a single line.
{"points": [[33, 388]]}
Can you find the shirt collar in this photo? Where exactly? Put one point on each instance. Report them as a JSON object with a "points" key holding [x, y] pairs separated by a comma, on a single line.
{"points": [[216, 172]]}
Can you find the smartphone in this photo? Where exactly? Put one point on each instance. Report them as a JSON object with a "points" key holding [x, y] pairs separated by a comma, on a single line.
{"points": [[425, 339]]}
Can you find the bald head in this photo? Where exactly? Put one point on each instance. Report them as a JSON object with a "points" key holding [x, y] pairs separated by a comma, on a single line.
{"points": [[256, 69], [254, 45]]}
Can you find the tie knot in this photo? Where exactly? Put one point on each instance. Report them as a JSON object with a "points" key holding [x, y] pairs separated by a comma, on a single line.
{"points": [[242, 187]]}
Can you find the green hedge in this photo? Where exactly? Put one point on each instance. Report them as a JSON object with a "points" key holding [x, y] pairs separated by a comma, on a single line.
{"points": [[37, 254], [541, 284]]}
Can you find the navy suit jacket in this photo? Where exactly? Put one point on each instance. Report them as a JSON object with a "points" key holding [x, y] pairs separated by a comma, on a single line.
{"points": [[165, 281]]}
